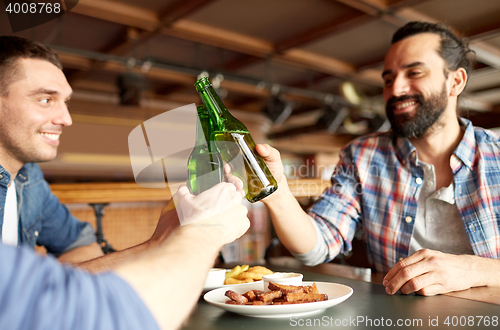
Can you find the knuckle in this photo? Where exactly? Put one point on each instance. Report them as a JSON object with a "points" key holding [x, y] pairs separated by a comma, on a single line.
{"points": [[406, 272]]}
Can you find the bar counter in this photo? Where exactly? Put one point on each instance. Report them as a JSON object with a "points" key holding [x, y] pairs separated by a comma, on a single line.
{"points": [[368, 307]]}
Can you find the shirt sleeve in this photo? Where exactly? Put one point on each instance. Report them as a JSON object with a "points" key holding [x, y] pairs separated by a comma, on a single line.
{"points": [[39, 293], [61, 231], [338, 212], [318, 254], [87, 236]]}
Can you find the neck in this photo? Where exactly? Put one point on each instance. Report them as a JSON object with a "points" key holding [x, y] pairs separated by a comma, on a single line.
{"points": [[438, 145], [441, 140]]}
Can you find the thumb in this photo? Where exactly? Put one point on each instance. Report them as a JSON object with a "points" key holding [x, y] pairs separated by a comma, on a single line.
{"points": [[264, 150]]}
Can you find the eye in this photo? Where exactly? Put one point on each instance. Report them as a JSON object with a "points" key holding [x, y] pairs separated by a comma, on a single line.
{"points": [[415, 73], [45, 101], [388, 81]]}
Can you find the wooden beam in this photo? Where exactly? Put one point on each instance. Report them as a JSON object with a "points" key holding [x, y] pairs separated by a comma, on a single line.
{"points": [[313, 61], [221, 38], [171, 13], [329, 28], [117, 12]]}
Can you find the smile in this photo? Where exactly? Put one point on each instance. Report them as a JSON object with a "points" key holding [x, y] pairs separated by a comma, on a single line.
{"points": [[404, 105], [51, 136]]}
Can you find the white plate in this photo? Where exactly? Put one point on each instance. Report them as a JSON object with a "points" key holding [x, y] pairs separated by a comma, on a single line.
{"points": [[337, 293], [208, 288]]}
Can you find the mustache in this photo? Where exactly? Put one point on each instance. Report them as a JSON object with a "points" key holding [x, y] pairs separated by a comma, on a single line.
{"points": [[416, 97]]}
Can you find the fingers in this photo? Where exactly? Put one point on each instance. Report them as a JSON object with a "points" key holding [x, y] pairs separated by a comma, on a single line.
{"points": [[404, 271], [267, 152]]}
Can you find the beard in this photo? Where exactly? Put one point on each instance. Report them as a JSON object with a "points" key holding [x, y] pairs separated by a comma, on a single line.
{"points": [[414, 125]]}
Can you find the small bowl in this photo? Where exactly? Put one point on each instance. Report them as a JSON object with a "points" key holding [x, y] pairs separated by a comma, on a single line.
{"points": [[282, 278], [215, 278]]}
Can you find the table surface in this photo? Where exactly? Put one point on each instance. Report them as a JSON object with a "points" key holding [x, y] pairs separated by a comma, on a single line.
{"points": [[368, 307]]}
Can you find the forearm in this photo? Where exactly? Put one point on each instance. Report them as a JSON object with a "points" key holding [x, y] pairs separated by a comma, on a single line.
{"points": [[170, 278], [111, 260], [291, 223], [485, 272]]}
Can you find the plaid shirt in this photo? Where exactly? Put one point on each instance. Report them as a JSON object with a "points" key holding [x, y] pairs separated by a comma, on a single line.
{"points": [[376, 186]]}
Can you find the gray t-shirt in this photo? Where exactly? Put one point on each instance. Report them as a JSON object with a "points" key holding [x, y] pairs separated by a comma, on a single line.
{"points": [[438, 225]]}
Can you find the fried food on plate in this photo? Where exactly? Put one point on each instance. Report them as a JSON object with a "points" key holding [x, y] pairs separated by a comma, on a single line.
{"points": [[279, 295]]}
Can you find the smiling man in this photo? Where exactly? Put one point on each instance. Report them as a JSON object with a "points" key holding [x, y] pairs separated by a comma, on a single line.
{"points": [[33, 113], [426, 194]]}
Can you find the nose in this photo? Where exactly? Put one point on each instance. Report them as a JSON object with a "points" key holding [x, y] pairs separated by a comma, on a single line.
{"points": [[63, 117], [400, 86]]}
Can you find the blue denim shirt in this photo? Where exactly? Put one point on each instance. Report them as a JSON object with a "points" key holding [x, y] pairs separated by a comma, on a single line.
{"points": [[43, 220], [39, 293]]}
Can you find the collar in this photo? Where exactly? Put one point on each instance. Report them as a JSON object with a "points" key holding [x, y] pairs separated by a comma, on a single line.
{"points": [[465, 152], [5, 176]]}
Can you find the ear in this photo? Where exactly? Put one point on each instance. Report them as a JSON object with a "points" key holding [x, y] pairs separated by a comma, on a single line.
{"points": [[458, 81]]}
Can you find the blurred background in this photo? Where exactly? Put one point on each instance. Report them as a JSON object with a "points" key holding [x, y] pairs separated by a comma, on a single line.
{"points": [[302, 75]]}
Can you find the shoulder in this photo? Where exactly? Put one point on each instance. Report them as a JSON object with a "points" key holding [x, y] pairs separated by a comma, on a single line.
{"points": [[483, 135]]}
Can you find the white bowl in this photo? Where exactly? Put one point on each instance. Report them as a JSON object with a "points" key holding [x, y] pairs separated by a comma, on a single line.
{"points": [[282, 278], [215, 278]]}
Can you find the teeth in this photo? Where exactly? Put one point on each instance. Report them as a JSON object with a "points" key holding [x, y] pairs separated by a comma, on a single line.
{"points": [[404, 105], [51, 136]]}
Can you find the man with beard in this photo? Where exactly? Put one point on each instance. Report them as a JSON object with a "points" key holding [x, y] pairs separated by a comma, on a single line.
{"points": [[426, 194]]}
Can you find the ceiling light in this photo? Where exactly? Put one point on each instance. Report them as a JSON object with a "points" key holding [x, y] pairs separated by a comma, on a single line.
{"points": [[278, 110], [130, 87], [333, 117]]}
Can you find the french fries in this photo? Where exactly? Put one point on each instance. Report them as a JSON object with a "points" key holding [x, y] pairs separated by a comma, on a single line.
{"points": [[246, 274]]}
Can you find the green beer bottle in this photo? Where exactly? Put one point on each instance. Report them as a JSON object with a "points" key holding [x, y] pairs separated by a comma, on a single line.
{"points": [[236, 146], [205, 167]]}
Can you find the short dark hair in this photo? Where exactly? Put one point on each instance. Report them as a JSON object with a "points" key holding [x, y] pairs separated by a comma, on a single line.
{"points": [[14, 48], [454, 51]]}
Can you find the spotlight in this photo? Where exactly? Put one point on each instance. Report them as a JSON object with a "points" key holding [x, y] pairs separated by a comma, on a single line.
{"points": [[130, 87], [278, 110], [333, 117]]}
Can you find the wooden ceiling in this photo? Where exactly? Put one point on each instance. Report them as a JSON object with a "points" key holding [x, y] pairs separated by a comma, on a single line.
{"points": [[304, 50]]}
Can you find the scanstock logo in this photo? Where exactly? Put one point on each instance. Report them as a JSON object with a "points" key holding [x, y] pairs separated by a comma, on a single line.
{"points": [[25, 14]]}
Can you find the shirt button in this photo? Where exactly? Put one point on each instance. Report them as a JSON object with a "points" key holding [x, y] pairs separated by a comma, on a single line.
{"points": [[430, 183], [431, 219], [408, 219], [418, 180], [1, 176], [36, 233]]}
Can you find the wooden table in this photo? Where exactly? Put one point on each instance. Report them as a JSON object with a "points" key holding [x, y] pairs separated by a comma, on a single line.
{"points": [[369, 305]]}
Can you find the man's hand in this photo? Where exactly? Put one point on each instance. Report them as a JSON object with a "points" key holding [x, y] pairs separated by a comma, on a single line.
{"points": [[209, 203], [273, 161], [231, 178], [169, 220], [428, 272]]}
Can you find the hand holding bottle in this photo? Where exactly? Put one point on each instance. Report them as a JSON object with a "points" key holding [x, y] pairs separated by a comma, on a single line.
{"points": [[218, 199], [231, 178], [273, 161]]}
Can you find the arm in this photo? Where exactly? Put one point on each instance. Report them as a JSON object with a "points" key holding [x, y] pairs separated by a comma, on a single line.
{"points": [[293, 226], [91, 258], [430, 272], [169, 277], [178, 267]]}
